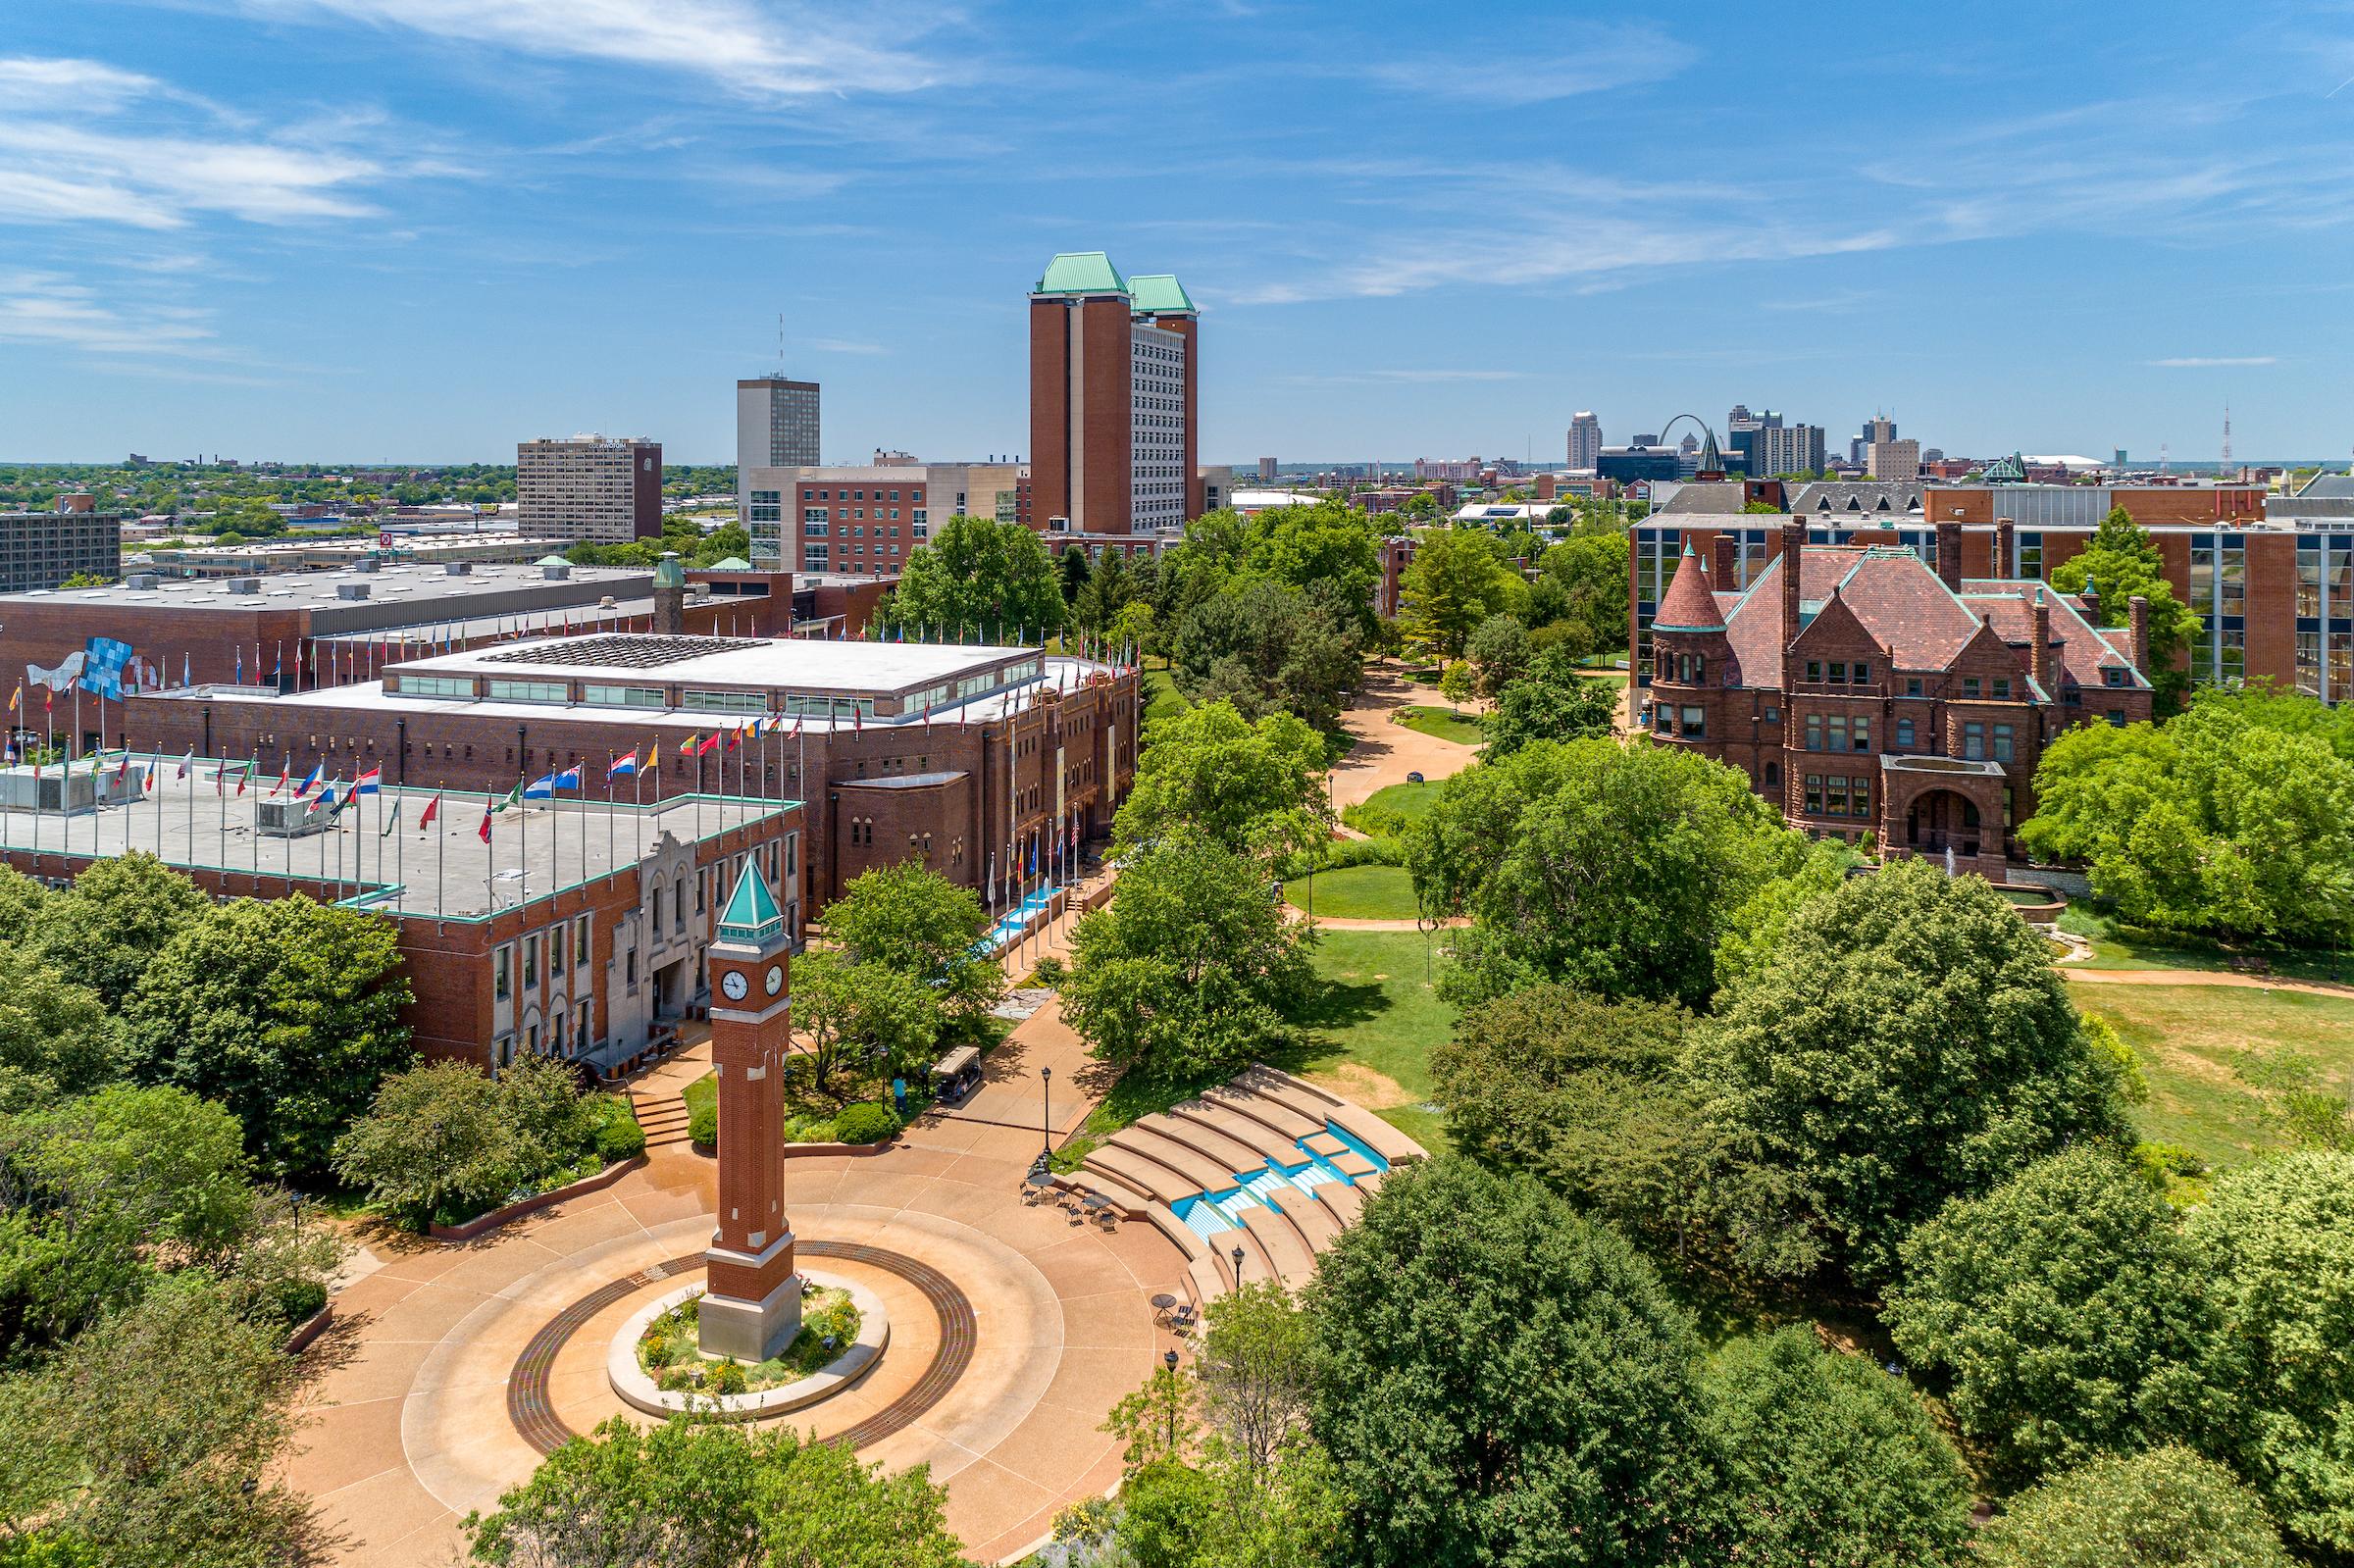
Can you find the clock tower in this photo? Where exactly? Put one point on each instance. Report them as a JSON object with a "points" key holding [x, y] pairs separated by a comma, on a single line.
{"points": [[752, 1304]]}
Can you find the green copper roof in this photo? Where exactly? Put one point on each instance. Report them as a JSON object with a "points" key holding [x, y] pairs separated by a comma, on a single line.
{"points": [[1082, 271], [733, 563], [551, 558], [668, 574], [751, 915], [1161, 294]]}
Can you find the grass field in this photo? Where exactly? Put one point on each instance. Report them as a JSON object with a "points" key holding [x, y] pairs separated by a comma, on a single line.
{"points": [[1464, 730], [1161, 697], [1373, 1030], [1357, 892], [1410, 800], [2119, 947], [2211, 1053]]}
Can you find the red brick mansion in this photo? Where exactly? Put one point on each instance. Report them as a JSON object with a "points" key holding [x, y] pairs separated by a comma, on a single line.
{"points": [[1883, 700]]}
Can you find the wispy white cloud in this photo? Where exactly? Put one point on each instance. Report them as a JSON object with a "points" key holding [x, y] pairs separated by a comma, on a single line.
{"points": [[56, 310], [147, 170], [1507, 77], [2200, 361], [846, 345], [763, 51]]}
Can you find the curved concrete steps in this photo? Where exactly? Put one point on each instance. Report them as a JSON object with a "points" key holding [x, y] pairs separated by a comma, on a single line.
{"points": [[1139, 1173], [1207, 1174], [1247, 1131], [1238, 1158], [1294, 1259], [1286, 1120], [1316, 1222], [1345, 1202]]}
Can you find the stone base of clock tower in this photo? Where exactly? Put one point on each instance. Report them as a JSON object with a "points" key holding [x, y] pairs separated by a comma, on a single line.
{"points": [[752, 1306]]}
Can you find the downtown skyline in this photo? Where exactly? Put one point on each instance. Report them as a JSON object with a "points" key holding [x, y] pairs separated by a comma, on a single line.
{"points": [[423, 231]]}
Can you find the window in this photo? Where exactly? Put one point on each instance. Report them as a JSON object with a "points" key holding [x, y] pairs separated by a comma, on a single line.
{"points": [[658, 906], [1913, 687], [1860, 796], [1861, 674], [1862, 733], [2002, 689], [555, 951], [528, 691], [531, 962], [2117, 717], [433, 685], [677, 905], [1772, 715], [2002, 742], [1773, 775], [1814, 669], [622, 696], [1973, 742], [1838, 672], [580, 942], [1813, 794], [2113, 677], [1695, 723], [1970, 686], [499, 962], [1813, 731], [1903, 732], [725, 701], [1834, 796]]}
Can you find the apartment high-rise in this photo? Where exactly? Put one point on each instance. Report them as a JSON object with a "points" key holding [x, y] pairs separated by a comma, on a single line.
{"points": [[1585, 439], [1786, 449], [1114, 399], [1893, 459], [597, 489], [41, 550], [1266, 470]]}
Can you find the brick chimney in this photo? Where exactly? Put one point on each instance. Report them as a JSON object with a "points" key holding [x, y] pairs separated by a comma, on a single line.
{"points": [[1949, 555], [1794, 543], [2039, 652], [2003, 534], [1722, 568], [669, 595], [2137, 617]]}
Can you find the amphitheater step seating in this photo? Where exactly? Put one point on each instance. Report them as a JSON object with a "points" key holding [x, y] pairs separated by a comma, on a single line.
{"points": [[1207, 1174], [1290, 1123], [1139, 1174], [1326, 1144], [1235, 1155], [1314, 1221], [1293, 1257], [1247, 1131], [1344, 1201], [1131, 1203]]}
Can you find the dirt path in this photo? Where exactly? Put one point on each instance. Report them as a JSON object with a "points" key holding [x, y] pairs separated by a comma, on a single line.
{"points": [[2203, 977], [1386, 752]]}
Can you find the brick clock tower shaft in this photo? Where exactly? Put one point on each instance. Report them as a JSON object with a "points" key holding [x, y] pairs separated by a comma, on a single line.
{"points": [[752, 1306]]}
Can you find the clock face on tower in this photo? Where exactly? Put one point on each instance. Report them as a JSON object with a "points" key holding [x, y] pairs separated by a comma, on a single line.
{"points": [[774, 979], [735, 984]]}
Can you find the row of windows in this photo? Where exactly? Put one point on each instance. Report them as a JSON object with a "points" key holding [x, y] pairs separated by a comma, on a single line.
{"points": [[1828, 795], [915, 494], [547, 952]]}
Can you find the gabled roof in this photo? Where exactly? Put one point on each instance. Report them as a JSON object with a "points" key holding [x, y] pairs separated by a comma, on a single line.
{"points": [[1705, 497], [2085, 649], [1688, 605], [751, 915], [733, 563], [1161, 294], [1841, 497], [1080, 272]]}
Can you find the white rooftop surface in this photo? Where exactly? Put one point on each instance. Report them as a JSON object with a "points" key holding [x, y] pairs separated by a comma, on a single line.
{"points": [[1061, 674], [419, 585], [798, 663], [445, 871]]}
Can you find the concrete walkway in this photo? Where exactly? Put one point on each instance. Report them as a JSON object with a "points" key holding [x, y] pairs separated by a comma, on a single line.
{"points": [[2203, 977], [1385, 751]]}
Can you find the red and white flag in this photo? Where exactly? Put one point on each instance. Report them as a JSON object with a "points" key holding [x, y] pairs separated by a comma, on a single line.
{"points": [[484, 832]]}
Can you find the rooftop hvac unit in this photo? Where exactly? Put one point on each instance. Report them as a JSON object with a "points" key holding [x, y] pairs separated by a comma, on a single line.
{"points": [[556, 573], [294, 819], [243, 585], [458, 568], [139, 580], [364, 563], [351, 590]]}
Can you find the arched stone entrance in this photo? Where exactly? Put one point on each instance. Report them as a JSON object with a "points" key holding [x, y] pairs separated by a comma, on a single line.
{"points": [[1945, 808], [1939, 819]]}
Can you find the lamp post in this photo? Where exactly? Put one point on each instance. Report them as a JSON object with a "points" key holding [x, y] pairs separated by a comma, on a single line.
{"points": [[1045, 1145], [1238, 1268], [1168, 1359]]}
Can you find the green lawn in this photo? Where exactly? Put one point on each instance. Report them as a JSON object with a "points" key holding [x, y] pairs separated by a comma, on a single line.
{"points": [[1162, 700], [1464, 730], [2116, 946], [1410, 800], [1372, 1032], [2211, 1055], [1357, 892]]}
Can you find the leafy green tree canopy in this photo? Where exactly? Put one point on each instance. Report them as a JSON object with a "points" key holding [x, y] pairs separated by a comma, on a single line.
{"points": [[851, 1009], [1909, 1043], [2120, 561], [1498, 650], [104, 929], [1268, 648], [2163, 1508], [1257, 788], [977, 573], [2062, 1311], [57, 1037], [909, 918], [1550, 701], [1456, 580]]}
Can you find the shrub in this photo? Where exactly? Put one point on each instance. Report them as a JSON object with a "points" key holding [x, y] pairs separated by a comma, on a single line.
{"points": [[868, 1122], [727, 1377], [1342, 853], [1376, 822], [2167, 1508], [619, 1137], [703, 1120]]}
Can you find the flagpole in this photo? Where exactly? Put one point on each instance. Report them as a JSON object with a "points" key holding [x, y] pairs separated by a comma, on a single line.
{"points": [[608, 822]]}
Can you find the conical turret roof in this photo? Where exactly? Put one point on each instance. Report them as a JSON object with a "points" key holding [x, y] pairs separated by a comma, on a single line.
{"points": [[1691, 603]]}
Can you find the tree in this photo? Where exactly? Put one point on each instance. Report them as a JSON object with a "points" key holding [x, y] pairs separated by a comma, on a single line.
{"points": [[1456, 685], [286, 1011], [436, 1141], [1254, 1367], [1586, 1095], [1454, 582], [2211, 823], [1193, 970], [154, 1439], [1330, 544], [1498, 650], [2276, 1242], [1257, 788], [21, 900], [2062, 1313], [1268, 648], [1501, 1381], [1610, 867], [909, 918], [1827, 1459], [1591, 570], [1753, 934], [2163, 1508], [1552, 702], [57, 1035], [1909, 1043], [2121, 563], [105, 930], [1073, 569], [847, 1009], [703, 1494], [992, 579]]}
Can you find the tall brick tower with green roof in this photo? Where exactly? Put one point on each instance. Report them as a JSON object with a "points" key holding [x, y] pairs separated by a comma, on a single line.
{"points": [[1114, 399], [751, 1305]]}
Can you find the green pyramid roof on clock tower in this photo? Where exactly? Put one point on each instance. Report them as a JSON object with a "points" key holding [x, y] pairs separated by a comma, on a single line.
{"points": [[751, 915]]}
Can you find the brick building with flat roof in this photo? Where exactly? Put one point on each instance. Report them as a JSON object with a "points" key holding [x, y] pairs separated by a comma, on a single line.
{"points": [[577, 929], [42, 550], [598, 489], [1114, 400], [1877, 697], [986, 764]]}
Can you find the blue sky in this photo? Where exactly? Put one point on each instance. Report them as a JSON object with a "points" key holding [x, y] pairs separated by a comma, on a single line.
{"points": [[426, 228]]}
